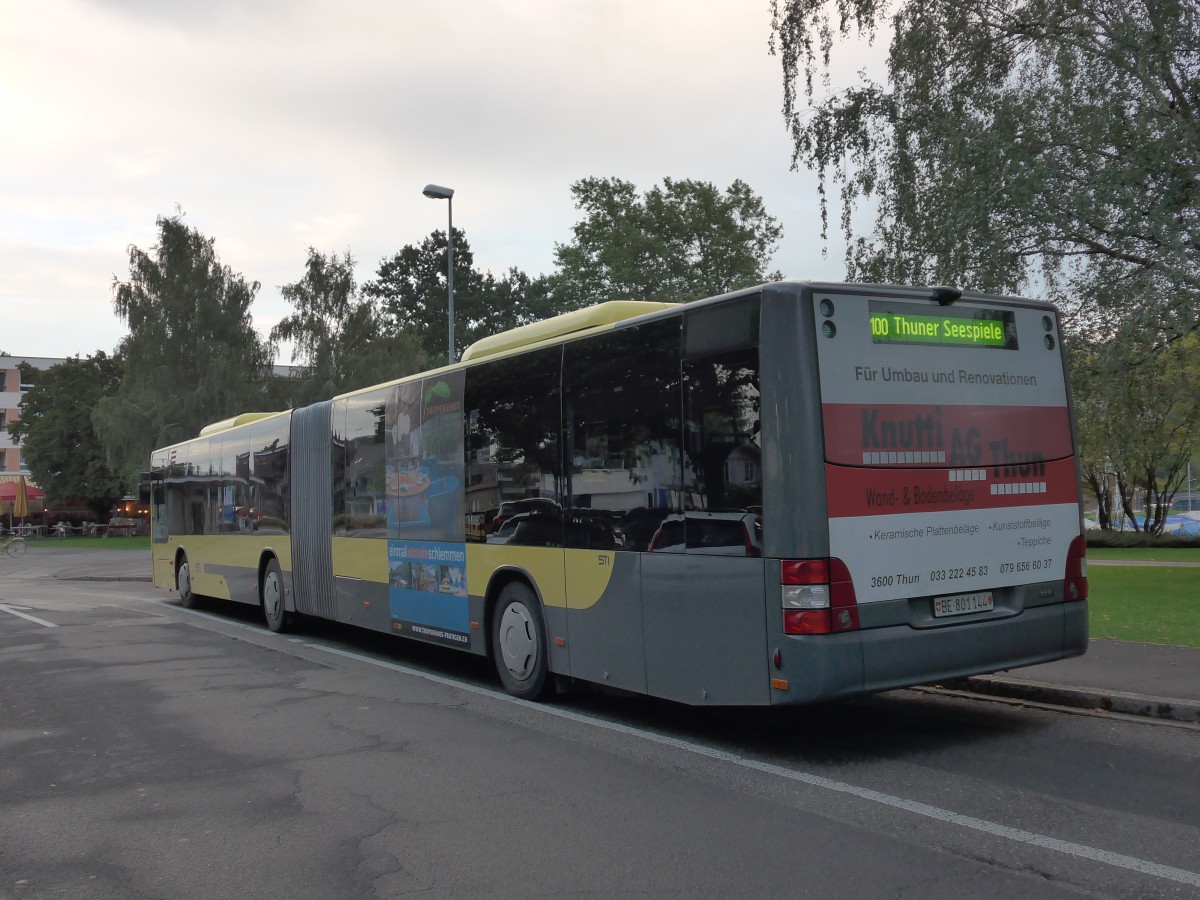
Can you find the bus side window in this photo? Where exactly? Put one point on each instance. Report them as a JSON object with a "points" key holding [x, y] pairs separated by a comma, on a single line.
{"points": [[723, 444], [621, 408], [362, 497], [511, 451], [269, 475]]}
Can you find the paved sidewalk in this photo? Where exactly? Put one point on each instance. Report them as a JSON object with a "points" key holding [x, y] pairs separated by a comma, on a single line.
{"points": [[1121, 676]]}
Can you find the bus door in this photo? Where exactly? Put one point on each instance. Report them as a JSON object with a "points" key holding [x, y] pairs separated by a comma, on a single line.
{"points": [[621, 446], [703, 575]]}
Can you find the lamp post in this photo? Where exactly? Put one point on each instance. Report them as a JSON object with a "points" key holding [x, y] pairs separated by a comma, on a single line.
{"points": [[437, 192]]}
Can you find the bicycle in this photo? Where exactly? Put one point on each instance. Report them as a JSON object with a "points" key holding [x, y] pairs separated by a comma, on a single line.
{"points": [[13, 545]]}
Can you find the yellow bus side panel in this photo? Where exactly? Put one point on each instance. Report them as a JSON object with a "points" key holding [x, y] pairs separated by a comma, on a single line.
{"points": [[239, 550], [588, 574], [587, 571], [362, 558], [543, 564]]}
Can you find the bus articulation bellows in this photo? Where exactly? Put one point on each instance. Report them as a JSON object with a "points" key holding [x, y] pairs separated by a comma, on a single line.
{"points": [[786, 494]]}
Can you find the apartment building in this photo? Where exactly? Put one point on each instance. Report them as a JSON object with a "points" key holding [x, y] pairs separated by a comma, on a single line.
{"points": [[11, 391]]}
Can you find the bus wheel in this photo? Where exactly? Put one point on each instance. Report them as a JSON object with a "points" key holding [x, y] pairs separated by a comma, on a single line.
{"points": [[519, 643], [271, 596], [183, 577]]}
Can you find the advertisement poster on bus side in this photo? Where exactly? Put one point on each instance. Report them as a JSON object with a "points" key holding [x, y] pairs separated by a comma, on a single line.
{"points": [[427, 560]]}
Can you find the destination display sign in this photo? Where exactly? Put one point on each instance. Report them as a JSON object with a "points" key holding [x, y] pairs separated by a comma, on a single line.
{"points": [[986, 328]]}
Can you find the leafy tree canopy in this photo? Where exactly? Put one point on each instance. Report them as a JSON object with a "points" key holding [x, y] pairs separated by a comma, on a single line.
{"points": [[1138, 418], [679, 241], [1050, 141], [191, 357], [64, 454], [410, 289], [338, 334]]}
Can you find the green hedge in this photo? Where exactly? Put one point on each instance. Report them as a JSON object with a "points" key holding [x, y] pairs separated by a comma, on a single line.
{"points": [[1098, 538]]}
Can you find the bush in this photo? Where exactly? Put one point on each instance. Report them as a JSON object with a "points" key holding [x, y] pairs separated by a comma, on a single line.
{"points": [[1098, 538]]}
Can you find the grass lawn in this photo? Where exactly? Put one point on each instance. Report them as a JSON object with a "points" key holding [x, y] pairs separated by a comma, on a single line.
{"points": [[132, 542], [1156, 554], [1151, 604]]}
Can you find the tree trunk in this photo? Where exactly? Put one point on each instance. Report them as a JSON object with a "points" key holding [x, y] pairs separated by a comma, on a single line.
{"points": [[1099, 487], [1126, 491]]}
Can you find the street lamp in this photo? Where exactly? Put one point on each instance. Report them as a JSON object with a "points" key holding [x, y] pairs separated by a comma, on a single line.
{"points": [[437, 192]]}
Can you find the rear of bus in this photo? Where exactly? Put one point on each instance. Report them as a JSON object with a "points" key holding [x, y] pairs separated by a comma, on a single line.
{"points": [[948, 536]]}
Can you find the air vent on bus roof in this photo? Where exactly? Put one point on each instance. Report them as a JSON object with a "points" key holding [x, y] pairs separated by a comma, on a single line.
{"points": [[578, 320], [226, 424]]}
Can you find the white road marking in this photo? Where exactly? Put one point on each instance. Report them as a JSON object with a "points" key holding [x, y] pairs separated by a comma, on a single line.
{"points": [[15, 611], [1082, 851], [223, 620], [1069, 848]]}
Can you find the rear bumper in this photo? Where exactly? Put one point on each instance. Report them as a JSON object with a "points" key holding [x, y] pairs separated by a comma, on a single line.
{"points": [[881, 659]]}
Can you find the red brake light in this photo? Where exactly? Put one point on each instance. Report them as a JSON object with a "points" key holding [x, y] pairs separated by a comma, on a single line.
{"points": [[804, 571], [806, 621], [818, 596], [1075, 585]]}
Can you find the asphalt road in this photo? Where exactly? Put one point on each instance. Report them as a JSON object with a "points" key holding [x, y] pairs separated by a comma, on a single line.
{"points": [[149, 751]]}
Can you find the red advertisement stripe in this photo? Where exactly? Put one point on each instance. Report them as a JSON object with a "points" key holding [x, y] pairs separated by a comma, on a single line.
{"points": [[859, 434], [859, 491]]}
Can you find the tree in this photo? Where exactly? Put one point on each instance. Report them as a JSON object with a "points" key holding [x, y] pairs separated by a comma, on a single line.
{"points": [[410, 288], [339, 335], [1138, 417], [1017, 143], [191, 357], [61, 448], [681, 241]]}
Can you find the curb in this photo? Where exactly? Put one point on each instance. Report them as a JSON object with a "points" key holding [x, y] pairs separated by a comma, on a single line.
{"points": [[145, 578], [1176, 710]]}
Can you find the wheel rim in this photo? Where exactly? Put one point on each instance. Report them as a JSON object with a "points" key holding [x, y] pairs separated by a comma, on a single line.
{"points": [[518, 641], [185, 581], [272, 596], [16, 548]]}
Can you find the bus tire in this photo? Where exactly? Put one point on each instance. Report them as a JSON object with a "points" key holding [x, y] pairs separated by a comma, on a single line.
{"points": [[183, 580], [271, 598], [519, 643]]}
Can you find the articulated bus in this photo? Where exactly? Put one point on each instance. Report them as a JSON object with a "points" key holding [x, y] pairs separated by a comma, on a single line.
{"points": [[780, 495]]}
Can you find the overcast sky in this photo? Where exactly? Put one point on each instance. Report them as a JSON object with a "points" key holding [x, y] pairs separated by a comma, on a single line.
{"points": [[282, 124]]}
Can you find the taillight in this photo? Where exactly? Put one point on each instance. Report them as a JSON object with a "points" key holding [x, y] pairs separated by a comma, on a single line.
{"points": [[817, 596], [1075, 585]]}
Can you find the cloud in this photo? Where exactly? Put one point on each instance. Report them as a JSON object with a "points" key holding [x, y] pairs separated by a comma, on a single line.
{"points": [[279, 125]]}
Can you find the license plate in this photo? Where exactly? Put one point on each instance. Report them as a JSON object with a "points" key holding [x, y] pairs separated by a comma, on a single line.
{"points": [[962, 604]]}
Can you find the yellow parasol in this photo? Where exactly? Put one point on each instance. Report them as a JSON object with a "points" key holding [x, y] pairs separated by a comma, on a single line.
{"points": [[21, 501]]}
